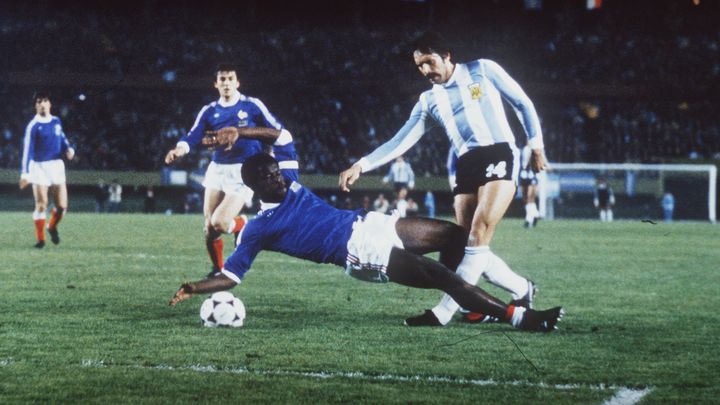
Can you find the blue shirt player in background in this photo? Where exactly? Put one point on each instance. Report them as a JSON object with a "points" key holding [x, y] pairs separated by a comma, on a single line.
{"points": [[370, 246], [44, 147], [225, 192], [466, 101]]}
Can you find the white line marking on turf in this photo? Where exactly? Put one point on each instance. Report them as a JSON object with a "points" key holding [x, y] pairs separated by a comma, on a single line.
{"points": [[627, 396], [623, 395]]}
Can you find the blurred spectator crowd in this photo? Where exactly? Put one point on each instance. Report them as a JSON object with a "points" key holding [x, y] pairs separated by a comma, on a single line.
{"points": [[608, 87]]}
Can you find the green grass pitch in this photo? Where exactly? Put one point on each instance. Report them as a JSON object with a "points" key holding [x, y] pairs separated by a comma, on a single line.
{"points": [[88, 321]]}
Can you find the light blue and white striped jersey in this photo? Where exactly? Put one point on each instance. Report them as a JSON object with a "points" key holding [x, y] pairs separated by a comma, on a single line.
{"points": [[44, 140], [401, 172], [469, 108]]}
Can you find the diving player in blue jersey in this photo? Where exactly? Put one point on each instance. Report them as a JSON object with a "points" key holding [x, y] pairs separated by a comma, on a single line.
{"points": [[370, 246], [225, 192], [466, 101], [44, 147]]}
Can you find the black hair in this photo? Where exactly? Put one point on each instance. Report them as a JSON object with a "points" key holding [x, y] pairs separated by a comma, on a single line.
{"points": [[40, 95], [431, 42], [252, 165], [226, 67]]}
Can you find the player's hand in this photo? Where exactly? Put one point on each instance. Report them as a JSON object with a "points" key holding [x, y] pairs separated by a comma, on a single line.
{"points": [[70, 154], [24, 183], [173, 155], [182, 294], [538, 162], [348, 177], [223, 137]]}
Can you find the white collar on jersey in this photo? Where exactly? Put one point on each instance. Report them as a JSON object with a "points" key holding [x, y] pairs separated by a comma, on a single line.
{"points": [[453, 76], [267, 206], [43, 120], [233, 100]]}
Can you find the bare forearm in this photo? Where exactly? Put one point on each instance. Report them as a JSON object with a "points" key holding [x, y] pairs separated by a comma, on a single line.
{"points": [[262, 134]]}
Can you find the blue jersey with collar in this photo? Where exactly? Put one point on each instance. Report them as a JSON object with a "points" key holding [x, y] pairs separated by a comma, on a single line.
{"points": [[44, 140], [303, 226], [246, 112]]}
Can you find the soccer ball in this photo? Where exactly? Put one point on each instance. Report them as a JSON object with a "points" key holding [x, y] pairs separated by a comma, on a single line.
{"points": [[222, 309]]}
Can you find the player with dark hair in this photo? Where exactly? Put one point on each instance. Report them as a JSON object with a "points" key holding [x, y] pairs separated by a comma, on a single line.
{"points": [[466, 101], [251, 123], [371, 246], [44, 147]]}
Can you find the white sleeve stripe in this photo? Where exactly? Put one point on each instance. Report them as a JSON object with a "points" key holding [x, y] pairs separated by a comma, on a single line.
{"points": [[266, 113], [197, 119], [289, 164], [231, 275], [284, 138], [26, 148]]}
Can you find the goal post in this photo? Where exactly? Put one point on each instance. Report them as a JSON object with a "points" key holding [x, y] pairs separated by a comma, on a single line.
{"points": [[566, 190]]}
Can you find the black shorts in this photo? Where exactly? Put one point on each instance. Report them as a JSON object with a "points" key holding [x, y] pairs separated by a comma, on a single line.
{"points": [[482, 165]]}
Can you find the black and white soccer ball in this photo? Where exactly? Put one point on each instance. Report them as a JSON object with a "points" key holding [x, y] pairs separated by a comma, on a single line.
{"points": [[222, 309]]}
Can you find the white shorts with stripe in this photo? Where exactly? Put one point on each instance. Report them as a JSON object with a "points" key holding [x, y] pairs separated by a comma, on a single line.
{"points": [[369, 247], [228, 179], [47, 173]]}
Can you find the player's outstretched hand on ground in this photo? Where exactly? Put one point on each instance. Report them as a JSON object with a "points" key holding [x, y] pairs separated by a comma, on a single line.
{"points": [[181, 295], [348, 177]]}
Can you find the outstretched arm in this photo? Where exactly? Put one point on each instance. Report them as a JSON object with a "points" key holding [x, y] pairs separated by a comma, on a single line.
{"points": [[208, 285], [229, 135]]}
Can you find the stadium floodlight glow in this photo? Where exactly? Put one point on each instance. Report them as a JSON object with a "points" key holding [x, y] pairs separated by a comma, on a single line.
{"points": [[579, 177]]}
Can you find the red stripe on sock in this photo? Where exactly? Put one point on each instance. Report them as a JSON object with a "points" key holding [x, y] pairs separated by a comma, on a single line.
{"points": [[55, 218], [509, 313]]}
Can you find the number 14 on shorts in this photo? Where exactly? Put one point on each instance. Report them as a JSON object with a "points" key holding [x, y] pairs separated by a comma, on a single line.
{"points": [[499, 170]]}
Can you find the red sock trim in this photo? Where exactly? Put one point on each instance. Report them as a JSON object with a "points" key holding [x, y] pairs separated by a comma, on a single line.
{"points": [[509, 313], [239, 224], [40, 229], [55, 218], [218, 247]]}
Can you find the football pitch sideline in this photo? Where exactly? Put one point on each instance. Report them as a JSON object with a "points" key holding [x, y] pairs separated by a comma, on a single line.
{"points": [[88, 321]]}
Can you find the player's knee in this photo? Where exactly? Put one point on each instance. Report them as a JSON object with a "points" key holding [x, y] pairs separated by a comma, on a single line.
{"points": [[218, 226]]}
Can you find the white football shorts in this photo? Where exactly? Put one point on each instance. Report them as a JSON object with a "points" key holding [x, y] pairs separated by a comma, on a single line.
{"points": [[228, 179], [369, 247], [47, 173]]}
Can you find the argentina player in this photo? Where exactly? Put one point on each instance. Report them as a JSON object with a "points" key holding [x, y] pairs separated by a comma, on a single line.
{"points": [[370, 246], [466, 101], [225, 192], [44, 146]]}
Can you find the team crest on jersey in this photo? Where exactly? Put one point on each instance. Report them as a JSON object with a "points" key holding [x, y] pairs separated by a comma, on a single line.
{"points": [[58, 129], [475, 91], [242, 116]]}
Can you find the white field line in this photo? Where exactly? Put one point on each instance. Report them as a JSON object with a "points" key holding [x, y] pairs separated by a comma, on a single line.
{"points": [[623, 395], [627, 396]]}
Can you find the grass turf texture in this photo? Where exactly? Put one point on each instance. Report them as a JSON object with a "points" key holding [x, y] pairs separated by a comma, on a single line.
{"points": [[88, 321]]}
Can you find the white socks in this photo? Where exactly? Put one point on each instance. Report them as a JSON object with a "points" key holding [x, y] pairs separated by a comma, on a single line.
{"points": [[480, 261], [472, 266], [499, 274], [38, 215], [531, 212]]}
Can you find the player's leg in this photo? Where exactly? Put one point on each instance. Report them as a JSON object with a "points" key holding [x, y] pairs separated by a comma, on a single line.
{"points": [[213, 242], [60, 198], [40, 195], [424, 235], [416, 271], [492, 199], [531, 210]]}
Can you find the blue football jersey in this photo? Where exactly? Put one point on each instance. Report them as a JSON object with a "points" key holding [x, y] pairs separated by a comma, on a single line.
{"points": [[303, 226], [246, 112], [44, 140]]}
